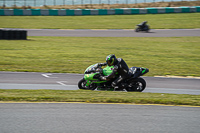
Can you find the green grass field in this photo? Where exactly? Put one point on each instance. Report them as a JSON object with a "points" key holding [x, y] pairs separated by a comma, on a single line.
{"points": [[156, 21], [162, 55], [97, 97]]}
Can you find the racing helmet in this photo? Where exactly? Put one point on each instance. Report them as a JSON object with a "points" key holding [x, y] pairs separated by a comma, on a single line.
{"points": [[111, 59]]}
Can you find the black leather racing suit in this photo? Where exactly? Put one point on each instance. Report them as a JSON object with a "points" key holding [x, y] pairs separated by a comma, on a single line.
{"points": [[122, 69]]}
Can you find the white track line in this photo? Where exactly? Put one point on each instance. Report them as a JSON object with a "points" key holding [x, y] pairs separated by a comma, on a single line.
{"points": [[61, 83], [47, 75]]}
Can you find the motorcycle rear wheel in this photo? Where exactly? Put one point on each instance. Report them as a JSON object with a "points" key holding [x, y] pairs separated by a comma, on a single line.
{"points": [[147, 30], [137, 85], [82, 85]]}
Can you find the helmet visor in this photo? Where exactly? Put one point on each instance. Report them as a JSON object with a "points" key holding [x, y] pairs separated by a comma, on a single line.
{"points": [[110, 62]]}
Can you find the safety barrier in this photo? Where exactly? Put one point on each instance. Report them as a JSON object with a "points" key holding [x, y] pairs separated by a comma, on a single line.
{"points": [[80, 12], [10, 34]]}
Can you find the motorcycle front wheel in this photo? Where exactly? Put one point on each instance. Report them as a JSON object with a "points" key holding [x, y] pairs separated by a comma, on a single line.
{"points": [[82, 85], [137, 29], [138, 85]]}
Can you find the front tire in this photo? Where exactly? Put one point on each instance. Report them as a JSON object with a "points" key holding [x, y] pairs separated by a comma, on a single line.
{"points": [[137, 29], [138, 85], [82, 85]]}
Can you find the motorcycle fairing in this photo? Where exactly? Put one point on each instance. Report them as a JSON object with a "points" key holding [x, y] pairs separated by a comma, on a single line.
{"points": [[108, 70], [92, 76], [91, 68], [138, 71]]}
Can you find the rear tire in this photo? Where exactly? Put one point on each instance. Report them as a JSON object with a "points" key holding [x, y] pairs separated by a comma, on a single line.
{"points": [[147, 29], [138, 85], [82, 85]]}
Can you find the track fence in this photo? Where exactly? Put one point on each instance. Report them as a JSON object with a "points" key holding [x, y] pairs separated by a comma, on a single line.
{"points": [[34, 3]]}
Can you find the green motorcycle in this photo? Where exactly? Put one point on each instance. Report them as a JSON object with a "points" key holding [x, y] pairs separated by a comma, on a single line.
{"points": [[92, 81]]}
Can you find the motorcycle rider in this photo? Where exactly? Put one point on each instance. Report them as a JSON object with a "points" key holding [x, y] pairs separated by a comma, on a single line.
{"points": [[120, 67], [143, 24]]}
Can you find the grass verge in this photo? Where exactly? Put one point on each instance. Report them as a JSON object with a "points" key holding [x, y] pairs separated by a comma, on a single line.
{"points": [[97, 97], [156, 21], [162, 55]]}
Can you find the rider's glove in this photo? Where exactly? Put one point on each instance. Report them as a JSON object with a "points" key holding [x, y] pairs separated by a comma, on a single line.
{"points": [[102, 64]]}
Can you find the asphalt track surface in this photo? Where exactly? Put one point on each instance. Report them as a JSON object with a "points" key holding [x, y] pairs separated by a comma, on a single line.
{"points": [[64, 81], [113, 32], [97, 118]]}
